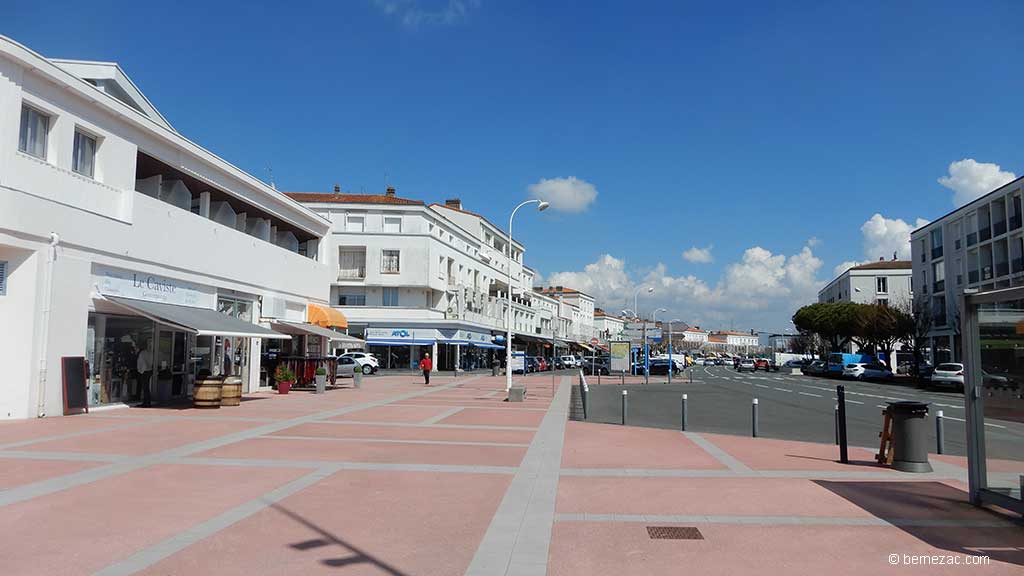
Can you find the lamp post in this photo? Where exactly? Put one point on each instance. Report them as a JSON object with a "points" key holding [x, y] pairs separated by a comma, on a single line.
{"points": [[650, 289], [630, 314], [647, 350], [541, 206], [671, 364]]}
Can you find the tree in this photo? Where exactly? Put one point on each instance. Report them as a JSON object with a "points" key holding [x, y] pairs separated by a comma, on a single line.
{"points": [[835, 323], [920, 311], [880, 328]]}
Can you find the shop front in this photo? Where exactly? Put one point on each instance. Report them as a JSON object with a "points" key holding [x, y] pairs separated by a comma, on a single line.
{"points": [[993, 351], [401, 348], [155, 334]]}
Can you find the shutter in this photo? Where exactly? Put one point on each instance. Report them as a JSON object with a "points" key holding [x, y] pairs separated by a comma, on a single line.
{"points": [[3, 278]]}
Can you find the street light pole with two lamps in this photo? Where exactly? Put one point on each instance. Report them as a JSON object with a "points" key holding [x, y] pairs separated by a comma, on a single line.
{"points": [[541, 206]]}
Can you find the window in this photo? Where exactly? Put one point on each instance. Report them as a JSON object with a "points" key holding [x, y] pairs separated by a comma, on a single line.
{"points": [[389, 297], [84, 159], [3, 278], [389, 262], [355, 224], [352, 296], [35, 128], [882, 285], [351, 262], [393, 224]]}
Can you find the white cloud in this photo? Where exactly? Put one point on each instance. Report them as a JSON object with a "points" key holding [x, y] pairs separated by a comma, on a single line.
{"points": [[412, 14], [885, 236], [760, 291], [844, 266], [969, 179], [565, 194], [699, 255]]}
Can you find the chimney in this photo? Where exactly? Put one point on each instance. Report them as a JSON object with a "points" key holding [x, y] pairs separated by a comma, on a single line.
{"points": [[337, 189], [881, 258], [453, 203], [894, 256], [390, 191]]}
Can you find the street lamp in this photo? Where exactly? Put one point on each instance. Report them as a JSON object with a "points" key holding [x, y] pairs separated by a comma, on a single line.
{"points": [[541, 206], [650, 289], [671, 364], [647, 350]]}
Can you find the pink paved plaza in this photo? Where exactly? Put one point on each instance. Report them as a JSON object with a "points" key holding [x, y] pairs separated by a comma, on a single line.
{"points": [[396, 478]]}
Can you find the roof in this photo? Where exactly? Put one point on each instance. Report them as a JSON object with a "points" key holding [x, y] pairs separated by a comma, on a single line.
{"points": [[475, 215], [692, 329], [885, 265], [716, 338], [733, 333], [110, 78], [335, 198], [559, 290]]}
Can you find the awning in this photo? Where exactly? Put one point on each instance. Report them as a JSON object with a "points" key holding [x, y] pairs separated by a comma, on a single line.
{"points": [[487, 345], [409, 342], [326, 316], [304, 328], [585, 346], [202, 321]]}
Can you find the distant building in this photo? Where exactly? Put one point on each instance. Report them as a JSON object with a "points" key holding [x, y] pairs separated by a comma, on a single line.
{"points": [[883, 282], [693, 334], [606, 326]]}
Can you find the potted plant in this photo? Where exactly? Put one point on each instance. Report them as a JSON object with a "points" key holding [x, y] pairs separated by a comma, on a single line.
{"points": [[321, 380], [284, 378]]}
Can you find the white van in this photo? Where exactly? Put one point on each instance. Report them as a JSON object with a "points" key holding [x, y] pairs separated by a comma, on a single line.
{"points": [[570, 362]]}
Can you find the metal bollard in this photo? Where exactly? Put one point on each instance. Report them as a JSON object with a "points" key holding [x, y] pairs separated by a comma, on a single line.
{"points": [[624, 407], [684, 413], [691, 374], [586, 400], [940, 436], [753, 409], [835, 422], [844, 455], [357, 379]]}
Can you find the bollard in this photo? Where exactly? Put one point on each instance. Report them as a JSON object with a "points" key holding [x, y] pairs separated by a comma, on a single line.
{"points": [[940, 436], [684, 413], [843, 448], [586, 400], [622, 379], [753, 409], [691, 374], [624, 406], [357, 379], [835, 423]]}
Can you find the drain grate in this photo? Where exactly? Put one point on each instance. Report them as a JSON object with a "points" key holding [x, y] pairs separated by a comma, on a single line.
{"points": [[674, 533]]}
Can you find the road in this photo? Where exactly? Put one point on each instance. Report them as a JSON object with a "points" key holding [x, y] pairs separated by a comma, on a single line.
{"points": [[792, 407]]}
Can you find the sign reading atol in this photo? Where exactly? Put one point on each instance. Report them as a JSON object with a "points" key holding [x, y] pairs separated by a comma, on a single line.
{"points": [[152, 287]]}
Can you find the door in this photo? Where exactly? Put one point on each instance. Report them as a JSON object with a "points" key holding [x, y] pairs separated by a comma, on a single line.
{"points": [[171, 366]]}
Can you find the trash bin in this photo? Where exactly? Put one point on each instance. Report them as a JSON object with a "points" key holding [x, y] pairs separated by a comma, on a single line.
{"points": [[910, 436]]}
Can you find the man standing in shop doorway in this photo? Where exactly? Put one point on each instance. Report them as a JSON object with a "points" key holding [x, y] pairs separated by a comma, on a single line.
{"points": [[144, 366], [426, 365]]}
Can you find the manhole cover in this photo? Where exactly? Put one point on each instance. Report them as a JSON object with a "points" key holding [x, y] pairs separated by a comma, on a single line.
{"points": [[674, 533]]}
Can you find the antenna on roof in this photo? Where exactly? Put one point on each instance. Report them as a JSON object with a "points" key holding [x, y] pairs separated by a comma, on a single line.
{"points": [[270, 175]]}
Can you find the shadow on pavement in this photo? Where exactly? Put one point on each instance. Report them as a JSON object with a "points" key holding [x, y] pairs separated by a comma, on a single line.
{"points": [[863, 463], [901, 503], [357, 556]]}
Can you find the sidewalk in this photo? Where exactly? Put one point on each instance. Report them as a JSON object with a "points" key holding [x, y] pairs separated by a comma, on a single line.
{"points": [[396, 478]]}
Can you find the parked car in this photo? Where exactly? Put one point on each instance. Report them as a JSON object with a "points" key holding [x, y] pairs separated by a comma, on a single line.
{"points": [[949, 374], [815, 368], [766, 365], [745, 365], [569, 361], [796, 363], [866, 371], [709, 361], [659, 367], [346, 367], [601, 367], [368, 363]]}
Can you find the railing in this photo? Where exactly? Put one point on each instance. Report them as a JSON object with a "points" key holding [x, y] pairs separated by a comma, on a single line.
{"points": [[984, 234], [999, 228], [936, 252], [972, 239], [352, 274], [939, 286]]}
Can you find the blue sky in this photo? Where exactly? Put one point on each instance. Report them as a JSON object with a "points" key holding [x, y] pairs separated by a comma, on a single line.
{"points": [[735, 126]]}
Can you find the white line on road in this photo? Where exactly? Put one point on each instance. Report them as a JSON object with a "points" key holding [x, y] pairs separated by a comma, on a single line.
{"points": [[809, 394], [854, 401], [962, 420], [762, 386], [783, 390]]}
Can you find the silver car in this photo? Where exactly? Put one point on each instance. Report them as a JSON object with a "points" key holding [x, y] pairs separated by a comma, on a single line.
{"points": [[347, 367], [949, 374]]}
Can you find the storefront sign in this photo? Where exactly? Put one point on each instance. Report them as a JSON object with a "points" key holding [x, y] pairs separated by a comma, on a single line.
{"points": [[152, 287], [402, 334], [463, 336]]}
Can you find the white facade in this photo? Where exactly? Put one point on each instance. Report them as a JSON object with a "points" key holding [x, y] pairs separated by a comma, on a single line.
{"points": [[74, 154], [695, 335], [979, 246], [608, 327], [883, 282]]}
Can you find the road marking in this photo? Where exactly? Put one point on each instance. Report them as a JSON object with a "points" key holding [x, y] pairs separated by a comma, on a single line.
{"points": [[854, 401], [762, 386], [962, 420], [783, 390], [809, 394]]}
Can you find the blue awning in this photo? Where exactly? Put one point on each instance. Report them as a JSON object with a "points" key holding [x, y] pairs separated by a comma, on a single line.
{"points": [[487, 345], [399, 342]]}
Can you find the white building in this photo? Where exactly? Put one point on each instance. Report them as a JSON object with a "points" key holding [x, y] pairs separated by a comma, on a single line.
{"points": [[578, 308], [120, 238], [417, 278], [883, 282], [607, 327], [978, 246], [693, 335]]}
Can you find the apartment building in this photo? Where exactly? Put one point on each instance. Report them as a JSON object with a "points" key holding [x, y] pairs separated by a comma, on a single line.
{"points": [[607, 327], [883, 282], [578, 308], [979, 246], [120, 239], [694, 336]]}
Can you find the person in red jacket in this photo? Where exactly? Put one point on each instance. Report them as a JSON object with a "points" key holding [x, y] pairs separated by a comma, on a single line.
{"points": [[426, 365]]}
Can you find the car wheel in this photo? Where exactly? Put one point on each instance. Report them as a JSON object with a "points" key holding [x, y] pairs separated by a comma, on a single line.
{"points": [[367, 369]]}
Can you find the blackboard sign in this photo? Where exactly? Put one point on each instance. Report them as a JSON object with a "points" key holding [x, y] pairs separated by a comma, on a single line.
{"points": [[73, 371]]}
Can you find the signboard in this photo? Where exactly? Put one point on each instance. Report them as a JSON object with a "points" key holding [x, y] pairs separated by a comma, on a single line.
{"points": [[594, 341], [74, 376], [152, 287], [619, 350], [518, 362], [402, 334], [634, 332]]}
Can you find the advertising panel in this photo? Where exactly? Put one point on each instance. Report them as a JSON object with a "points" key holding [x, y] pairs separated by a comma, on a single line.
{"points": [[619, 350]]}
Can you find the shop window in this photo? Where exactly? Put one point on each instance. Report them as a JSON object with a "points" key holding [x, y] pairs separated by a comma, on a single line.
{"points": [[389, 262], [35, 129], [3, 278], [389, 297], [83, 161]]}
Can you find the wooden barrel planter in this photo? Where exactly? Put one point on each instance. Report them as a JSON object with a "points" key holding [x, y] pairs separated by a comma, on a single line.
{"points": [[231, 391], [206, 393]]}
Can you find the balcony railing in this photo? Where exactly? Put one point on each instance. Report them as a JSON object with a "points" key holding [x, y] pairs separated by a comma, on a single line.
{"points": [[352, 273], [984, 234], [936, 252], [972, 238], [1002, 269], [939, 286], [999, 228], [972, 277]]}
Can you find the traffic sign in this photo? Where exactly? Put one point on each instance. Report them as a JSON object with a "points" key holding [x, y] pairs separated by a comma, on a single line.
{"points": [[594, 341]]}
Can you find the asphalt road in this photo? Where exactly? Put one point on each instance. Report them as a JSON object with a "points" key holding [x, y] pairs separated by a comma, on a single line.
{"points": [[791, 407]]}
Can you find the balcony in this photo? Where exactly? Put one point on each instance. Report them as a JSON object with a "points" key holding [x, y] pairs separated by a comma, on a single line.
{"points": [[1015, 222], [984, 234], [936, 252], [972, 277], [352, 273], [939, 286], [972, 239], [999, 228], [1002, 269]]}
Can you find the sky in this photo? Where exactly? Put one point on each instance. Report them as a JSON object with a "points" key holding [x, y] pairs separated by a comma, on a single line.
{"points": [[731, 155]]}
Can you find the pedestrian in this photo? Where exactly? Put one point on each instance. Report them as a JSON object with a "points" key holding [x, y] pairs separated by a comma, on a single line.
{"points": [[144, 368], [426, 365]]}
